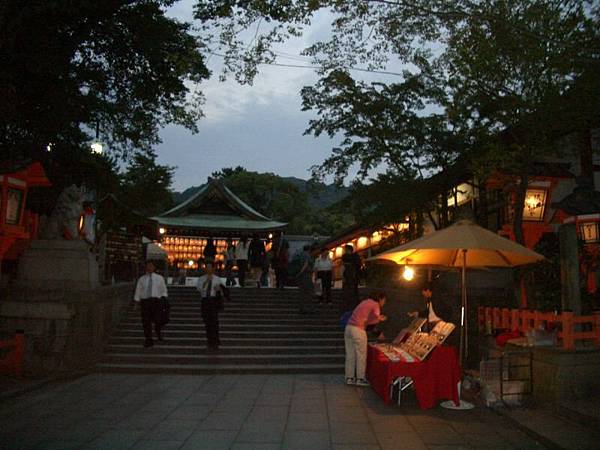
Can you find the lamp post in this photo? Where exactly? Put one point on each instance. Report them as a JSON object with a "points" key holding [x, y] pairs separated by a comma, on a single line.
{"points": [[96, 146]]}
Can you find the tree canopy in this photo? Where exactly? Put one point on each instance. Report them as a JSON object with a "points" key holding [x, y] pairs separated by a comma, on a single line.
{"points": [[146, 185], [498, 81], [283, 200], [69, 68]]}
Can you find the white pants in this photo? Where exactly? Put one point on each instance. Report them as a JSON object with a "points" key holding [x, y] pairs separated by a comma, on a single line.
{"points": [[356, 351]]}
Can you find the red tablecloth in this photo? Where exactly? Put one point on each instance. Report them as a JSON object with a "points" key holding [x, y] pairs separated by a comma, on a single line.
{"points": [[434, 379]]}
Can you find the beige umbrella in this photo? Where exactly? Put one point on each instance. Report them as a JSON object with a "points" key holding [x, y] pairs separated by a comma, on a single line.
{"points": [[462, 245]]}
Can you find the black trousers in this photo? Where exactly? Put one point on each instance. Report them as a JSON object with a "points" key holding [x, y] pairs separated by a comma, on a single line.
{"points": [[150, 311], [350, 295], [242, 268], [280, 276], [325, 277], [210, 316]]}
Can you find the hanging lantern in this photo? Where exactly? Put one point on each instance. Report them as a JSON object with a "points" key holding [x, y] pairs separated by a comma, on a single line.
{"points": [[535, 205], [409, 273]]}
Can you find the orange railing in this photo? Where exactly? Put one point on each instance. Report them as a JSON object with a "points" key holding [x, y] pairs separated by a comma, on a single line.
{"points": [[12, 362], [569, 326]]}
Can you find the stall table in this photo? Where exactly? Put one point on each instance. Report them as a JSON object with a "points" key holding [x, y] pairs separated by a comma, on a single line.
{"points": [[434, 379]]}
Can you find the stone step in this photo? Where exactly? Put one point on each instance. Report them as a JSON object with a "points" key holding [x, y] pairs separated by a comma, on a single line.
{"points": [[275, 335], [149, 356], [261, 332], [164, 346], [178, 316], [235, 326], [201, 369], [239, 342]]}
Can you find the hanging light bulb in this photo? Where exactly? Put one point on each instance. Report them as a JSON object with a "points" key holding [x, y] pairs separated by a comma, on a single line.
{"points": [[409, 273]]}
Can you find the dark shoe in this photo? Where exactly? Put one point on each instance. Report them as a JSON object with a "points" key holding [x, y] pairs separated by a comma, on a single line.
{"points": [[148, 344]]}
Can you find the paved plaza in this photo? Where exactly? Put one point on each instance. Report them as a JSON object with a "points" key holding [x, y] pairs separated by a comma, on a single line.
{"points": [[120, 411]]}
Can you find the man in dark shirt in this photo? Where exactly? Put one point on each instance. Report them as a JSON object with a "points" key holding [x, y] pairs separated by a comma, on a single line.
{"points": [[352, 266]]}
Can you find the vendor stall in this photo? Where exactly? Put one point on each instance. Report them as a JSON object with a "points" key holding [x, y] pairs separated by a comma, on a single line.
{"points": [[435, 378]]}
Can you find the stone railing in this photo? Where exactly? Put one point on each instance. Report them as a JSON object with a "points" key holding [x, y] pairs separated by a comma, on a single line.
{"points": [[65, 329]]}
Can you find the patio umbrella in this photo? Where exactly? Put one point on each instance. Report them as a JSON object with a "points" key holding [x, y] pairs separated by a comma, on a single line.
{"points": [[462, 245]]}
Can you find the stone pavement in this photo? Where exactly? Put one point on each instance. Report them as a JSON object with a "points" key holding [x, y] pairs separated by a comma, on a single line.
{"points": [[121, 411]]}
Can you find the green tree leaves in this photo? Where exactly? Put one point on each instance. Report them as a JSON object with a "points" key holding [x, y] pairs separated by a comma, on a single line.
{"points": [[68, 66]]}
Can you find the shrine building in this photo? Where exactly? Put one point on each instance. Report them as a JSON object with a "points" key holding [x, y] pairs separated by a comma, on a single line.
{"points": [[213, 212]]}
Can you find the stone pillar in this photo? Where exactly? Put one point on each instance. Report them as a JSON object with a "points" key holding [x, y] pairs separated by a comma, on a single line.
{"points": [[58, 264], [569, 268]]}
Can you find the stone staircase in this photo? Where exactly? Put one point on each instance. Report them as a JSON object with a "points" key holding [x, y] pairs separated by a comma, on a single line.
{"points": [[261, 331]]}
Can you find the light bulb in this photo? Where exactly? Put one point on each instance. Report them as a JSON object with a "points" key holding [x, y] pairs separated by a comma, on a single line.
{"points": [[409, 273]]}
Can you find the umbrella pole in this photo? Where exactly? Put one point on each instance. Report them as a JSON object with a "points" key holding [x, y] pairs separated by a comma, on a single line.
{"points": [[464, 341], [463, 302]]}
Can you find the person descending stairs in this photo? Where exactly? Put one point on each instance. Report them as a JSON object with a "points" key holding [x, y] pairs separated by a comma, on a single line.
{"points": [[260, 331]]}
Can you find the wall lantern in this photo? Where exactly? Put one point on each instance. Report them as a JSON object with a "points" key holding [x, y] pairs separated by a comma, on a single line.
{"points": [[362, 242], [409, 273], [190, 263], [162, 230], [535, 205], [589, 232]]}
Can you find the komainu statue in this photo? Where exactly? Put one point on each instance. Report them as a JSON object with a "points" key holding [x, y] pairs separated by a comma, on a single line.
{"points": [[63, 223]]}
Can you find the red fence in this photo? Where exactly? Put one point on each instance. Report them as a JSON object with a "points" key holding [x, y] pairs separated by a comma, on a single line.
{"points": [[570, 327], [12, 362]]}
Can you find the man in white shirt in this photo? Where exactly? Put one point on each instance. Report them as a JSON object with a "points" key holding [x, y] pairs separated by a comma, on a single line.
{"points": [[241, 254], [210, 286], [149, 290], [323, 268]]}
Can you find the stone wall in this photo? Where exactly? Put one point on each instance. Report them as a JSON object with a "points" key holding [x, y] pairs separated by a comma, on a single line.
{"points": [[560, 375], [65, 329]]}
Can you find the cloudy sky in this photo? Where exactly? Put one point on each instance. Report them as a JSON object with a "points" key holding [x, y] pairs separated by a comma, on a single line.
{"points": [[259, 127]]}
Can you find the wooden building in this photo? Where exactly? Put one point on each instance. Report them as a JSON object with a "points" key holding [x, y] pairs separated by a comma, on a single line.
{"points": [[213, 212]]}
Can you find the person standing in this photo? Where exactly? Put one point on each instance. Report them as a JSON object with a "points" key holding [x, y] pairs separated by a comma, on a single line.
{"points": [[149, 291], [305, 283], [368, 312], [435, 309], [280, 261], [211, 287], [352, 266], [323, 268], [241, 254], [229, 262], [210, 251], [256, 257]]}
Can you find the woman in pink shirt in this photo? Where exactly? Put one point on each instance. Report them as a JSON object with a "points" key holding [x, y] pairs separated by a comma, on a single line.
{"points": [[368, 312]]}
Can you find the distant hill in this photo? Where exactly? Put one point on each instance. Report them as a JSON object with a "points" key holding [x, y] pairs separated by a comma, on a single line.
{"points": [[320, 195]]}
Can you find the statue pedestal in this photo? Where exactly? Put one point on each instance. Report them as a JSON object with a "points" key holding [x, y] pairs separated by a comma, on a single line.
{"points": [[58, 264]]}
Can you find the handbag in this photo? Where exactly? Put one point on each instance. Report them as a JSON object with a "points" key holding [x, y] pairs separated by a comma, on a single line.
{"points": [[222, 294], [163, 311], [219, 301], [319, 287]]}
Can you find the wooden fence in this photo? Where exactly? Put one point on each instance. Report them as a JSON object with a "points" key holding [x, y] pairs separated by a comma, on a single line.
{"points": [[570, 328]]}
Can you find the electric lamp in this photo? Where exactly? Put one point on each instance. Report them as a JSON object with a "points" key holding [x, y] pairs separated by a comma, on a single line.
{"points": [[409, 273]]}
